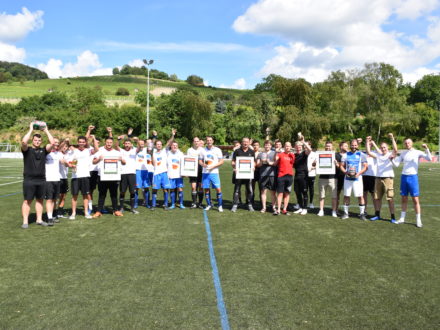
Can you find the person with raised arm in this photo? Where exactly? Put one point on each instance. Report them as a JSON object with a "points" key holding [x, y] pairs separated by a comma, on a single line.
{"points": [[34, 172]]}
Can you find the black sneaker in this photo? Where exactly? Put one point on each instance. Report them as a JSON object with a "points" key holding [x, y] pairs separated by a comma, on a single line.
{"points": [[363, 217], [50, 222]]}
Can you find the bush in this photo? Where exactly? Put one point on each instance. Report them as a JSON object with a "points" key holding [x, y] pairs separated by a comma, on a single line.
{"points": [[122, 91]]}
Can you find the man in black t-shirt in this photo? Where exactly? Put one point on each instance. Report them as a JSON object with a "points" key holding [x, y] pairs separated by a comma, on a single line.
{"points": [[34, 174], [243, 151], [302, 151]]}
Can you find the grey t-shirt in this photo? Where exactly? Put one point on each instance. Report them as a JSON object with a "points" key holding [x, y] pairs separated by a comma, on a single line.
{"points": [[265, 169]]}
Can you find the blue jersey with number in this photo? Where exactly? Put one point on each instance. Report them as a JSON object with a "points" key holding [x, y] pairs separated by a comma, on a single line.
{"points": [[354, 161]]}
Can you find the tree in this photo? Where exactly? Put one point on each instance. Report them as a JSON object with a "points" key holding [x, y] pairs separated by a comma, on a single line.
{"points": [[83, 98], [427, 90], [122, 91], [173, 77], [141, 98], [195, 80], [115, 71]]}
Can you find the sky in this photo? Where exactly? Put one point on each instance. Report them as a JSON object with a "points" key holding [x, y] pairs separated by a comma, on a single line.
{"points": [[228, 43]]}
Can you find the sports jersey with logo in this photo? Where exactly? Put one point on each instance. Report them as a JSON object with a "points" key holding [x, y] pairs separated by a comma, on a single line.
{"points": [[174, 160], [353, 163], [211, 157], [160, 157]]}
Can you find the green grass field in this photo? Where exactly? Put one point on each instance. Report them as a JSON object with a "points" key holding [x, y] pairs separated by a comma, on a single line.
{"points": [[153, 270]]}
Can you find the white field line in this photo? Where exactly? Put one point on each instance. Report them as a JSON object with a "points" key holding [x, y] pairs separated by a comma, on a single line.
{"points": [[5, 184]]}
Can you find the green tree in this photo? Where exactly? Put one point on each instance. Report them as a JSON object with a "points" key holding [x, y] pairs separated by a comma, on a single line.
{"points": [[115, 71], [84, 97], [195, 80]]}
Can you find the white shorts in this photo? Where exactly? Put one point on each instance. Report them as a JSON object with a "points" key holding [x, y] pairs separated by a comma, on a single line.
{"points": [[357, 187]]}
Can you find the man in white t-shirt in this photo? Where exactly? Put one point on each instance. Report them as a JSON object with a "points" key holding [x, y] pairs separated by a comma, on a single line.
{"points": [[211, 158], [369, 176], [174, 162], [64, 182], [196, 182], [94, 176], [160, 178], [409, 182], [52, 186], [384, 183], [109, 161], [142, 181], [128, 175]]}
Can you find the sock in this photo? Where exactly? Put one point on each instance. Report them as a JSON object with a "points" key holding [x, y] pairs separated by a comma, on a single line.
{"points": [[90, 205], [121, 203], [181, 197], [377, 214], [220, 199], [153, 199], [132, 202], [194, 197], [147, 197], [208, 198], [345, 209], [402, 215], [173, 197], [165, 198], [393, 216], [361, 209], [49, 215], [418, 216], [200, 197], [136, 198]]}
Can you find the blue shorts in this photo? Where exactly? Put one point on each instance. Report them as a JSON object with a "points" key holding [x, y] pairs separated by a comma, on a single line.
{"points": [[409, 184], [176, 183], [142, 179], [210, 179], [161, 181], [150, 178]]}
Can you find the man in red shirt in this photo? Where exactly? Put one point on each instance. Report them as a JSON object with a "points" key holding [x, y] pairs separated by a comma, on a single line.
{"points": [[285, 161]]}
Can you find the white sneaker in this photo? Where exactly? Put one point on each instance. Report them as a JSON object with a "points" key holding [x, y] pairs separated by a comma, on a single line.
{"points": [[311, 206], [208, 208], [419, 223], [321, 213], [298, 211], [398, 222], [296, 206], [334, 214], [304, 212], [88, 216], [72, 217], [220, 208]]}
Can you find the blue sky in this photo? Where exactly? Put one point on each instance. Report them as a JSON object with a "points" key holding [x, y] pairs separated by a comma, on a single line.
{"points": [[228, 43]]}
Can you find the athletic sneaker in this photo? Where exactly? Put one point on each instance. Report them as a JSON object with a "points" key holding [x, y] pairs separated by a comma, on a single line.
{"points": [[304, 212], [201, 206], [25, 226], [134, 211], [251, 208], [284, 212], [344, 216], [220, 208], [61, 215], [398, 222], [298, 211], [375, 218], [419, 223], [296, 206], [275, 213], [50, 222], [97, 215], [193, 206], [334, 214], [181, 206], [172, 207], [207, 208], [263, 210], [311, 206], [56, 220], [88, 216], [118, 214], [321, 213], [89, 212], [42, 223], [362, 216], [72, 217], [234, 208]]}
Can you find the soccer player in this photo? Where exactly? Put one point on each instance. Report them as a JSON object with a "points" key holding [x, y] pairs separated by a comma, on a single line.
{"points": [[311, 175], [34, 174], [369, 177], [327, 181], [160, 179], [285, 161], [142, 181], [128, 174], [211, 158], [301, 170], [409, 183], [107, 152], [353, 165], [52, 186], [243, 151], [340, 176], [196, 182], [384, 183], [267, 168], [64, 182], [94, 175], [174, 161]]}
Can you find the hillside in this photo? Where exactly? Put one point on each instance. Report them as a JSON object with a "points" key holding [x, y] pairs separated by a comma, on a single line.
{"points": [[12, 71]]}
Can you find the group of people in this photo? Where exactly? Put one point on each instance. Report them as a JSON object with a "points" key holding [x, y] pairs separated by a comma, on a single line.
{"points": [[143, 167]]}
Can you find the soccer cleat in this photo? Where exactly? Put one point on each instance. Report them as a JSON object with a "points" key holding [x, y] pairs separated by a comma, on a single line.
{"points": [[50, 222], [375, 218], [181, 206], [97, 215], [311, 206], [134, 211], [398, 222], [334, 214], [419, 223], [25, 226], [298, 211], [72, 217], [207, 208], [220, 208], [251, 208], [193, 206], [88, 216], [362, 216], [321, 213], [118, 214], [304, 212], [234, 208], [344, 216], [42, 223]]}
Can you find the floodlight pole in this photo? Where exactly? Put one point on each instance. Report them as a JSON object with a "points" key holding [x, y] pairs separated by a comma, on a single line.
{"points": [[147, 64]]}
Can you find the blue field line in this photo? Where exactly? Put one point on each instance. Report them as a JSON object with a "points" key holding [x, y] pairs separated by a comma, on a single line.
{"points": [[16, 193], [218, 287]]}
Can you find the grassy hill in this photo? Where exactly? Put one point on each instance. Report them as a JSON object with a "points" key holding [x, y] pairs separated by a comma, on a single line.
{"points": [[109, 85]]}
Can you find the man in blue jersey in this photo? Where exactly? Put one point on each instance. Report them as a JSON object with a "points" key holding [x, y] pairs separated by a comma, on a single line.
{"points": [[353, 165]]}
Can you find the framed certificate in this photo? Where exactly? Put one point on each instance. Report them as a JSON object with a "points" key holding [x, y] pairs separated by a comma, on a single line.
{"points": [[325, 162], [244, 167], [189, 166], [111, 169]]}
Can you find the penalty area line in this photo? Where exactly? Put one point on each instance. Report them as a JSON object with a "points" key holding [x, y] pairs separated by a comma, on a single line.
{"points": [[216, 277]]}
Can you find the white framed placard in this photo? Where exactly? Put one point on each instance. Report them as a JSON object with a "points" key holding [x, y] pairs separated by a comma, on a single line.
{"points": [[244, 167], [325, 162], [111, 169], [189, 166]]}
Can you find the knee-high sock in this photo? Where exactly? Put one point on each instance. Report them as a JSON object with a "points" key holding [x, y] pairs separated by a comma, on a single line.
{"points": [[194, 196], [154, 199], [220, 199], [200, 197], [132, 201], [173, 197], [181, 197], [165, 198], [136, 198], [147, 197], [208, 198]]}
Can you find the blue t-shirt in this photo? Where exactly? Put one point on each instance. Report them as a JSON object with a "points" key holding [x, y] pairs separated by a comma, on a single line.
{"points": [[353, 161]]}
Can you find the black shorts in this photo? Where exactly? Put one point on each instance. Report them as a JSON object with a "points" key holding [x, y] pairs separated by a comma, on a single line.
{"points": [[80, 184], [93, 181], [52, 190], [64, 186], [284, 184], [198, 178], [369, 182], [268, 182], [128, 181], [257, 175], [340, 180], [33, 189]]}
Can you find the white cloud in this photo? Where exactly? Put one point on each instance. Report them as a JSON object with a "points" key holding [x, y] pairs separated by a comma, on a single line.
{"points": [[16, 27], [240, 83], [417, 74], [328, 35], [11, 53], [136, 62], [87, 64]]}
